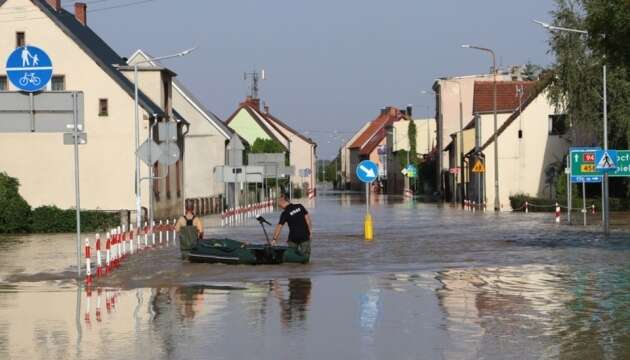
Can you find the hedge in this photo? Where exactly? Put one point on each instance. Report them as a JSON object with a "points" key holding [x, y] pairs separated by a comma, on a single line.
{"points": [[16, 215]]}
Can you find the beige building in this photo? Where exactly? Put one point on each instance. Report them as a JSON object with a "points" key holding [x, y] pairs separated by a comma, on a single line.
{"points": [[84, 62], [425, 135], [204, 141], [346, 172], [531, 141]]}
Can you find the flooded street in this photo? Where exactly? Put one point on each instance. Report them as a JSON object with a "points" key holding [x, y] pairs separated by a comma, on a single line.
{"points": [[436, 283]]}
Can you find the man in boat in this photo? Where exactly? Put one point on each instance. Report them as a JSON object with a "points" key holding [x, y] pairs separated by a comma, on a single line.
{"points": [[299, 226], [190, 229]]}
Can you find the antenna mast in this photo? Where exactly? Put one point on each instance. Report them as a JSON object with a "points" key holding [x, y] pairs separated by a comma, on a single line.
{"points": [[255, 77]]}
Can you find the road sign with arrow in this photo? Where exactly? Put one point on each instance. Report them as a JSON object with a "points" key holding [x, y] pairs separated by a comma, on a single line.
{"points": [[367, 171]]}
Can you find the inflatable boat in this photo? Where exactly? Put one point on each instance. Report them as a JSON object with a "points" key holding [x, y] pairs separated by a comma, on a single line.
{"points": [[228, 251]]}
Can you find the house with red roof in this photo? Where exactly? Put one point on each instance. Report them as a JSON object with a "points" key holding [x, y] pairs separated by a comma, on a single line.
{"points": [[250, 122], [372, 144], [531, 142]]}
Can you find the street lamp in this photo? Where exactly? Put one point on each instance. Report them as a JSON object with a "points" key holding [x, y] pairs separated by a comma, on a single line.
{"points": [[137, 127], [605, 200], [497, 204]]}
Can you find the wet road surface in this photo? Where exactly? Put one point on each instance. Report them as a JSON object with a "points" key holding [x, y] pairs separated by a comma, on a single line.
{"points": [[436, 283]]}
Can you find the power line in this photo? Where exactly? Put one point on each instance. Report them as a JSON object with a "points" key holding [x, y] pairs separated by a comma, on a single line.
{"points": [[119, 6]]}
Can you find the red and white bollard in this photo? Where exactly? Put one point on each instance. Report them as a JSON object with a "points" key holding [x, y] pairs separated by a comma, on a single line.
{"points": [[526, 207], [168, 231], [557, 213], [88, 300], [132, 239], [160, 231], [99, 291], [152, 231], [108, 255], [484, 206], [173, 228], [123, 236], [88, 264], [593, 209], [99, 263], [146, 234], [474, 206]]}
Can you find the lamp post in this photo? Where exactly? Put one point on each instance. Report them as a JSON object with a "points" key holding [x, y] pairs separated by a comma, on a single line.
{"points": [[497, 204], [137, 128], [605, 200]]}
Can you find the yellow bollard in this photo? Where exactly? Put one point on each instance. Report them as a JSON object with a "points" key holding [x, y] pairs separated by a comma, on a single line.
{"points": [[368, 228]]}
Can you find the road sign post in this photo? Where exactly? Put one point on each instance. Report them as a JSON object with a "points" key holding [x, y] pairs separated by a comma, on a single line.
{"points": [[367, 172]]}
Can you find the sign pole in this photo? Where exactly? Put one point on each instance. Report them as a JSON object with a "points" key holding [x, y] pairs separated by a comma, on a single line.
{"points": [[584, 201], [605, 209], [569, 189], [76, 181]]}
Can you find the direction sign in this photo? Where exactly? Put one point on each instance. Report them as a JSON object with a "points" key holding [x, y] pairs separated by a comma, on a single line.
{"points": [[583, 167], [623, 164], [606, 160], [149, 152], [29, 68], [411, 170], [479, 167], [367, 171]]}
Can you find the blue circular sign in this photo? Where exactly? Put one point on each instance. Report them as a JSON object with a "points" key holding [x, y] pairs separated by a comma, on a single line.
{"points": [[29, 68], [367, 171]]}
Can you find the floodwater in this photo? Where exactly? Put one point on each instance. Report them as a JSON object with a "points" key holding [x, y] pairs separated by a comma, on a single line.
{"points": [[436, 283]]}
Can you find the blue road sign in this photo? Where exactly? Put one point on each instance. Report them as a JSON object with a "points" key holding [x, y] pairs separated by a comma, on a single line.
{"points": [[367, 171], [29, 68], [606, 161], [411, 170]]}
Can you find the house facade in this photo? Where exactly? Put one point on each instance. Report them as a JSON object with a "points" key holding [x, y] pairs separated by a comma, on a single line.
{"points": [[531, 142], [205, 140], [82, 62], [251, 123]]}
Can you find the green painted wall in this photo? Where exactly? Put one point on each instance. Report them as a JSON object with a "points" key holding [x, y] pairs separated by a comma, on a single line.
{"points": [[247, 127]]}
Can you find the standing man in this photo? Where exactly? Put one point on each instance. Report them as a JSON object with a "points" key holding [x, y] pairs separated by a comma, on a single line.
{"points": [[190, 229], [299, 226]]}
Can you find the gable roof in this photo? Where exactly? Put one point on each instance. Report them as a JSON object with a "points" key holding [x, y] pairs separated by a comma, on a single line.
{"points": [[507, 95], [187, 94], [258, 118], [375, 132], [288, 128], [537, 89], [98, 50]]}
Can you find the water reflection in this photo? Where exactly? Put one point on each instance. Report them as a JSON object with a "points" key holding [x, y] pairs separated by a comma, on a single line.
{"points": [[294, 305]]}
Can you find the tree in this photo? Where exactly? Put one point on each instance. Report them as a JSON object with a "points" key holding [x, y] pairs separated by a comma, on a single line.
{"points": [[15, 213], [266, 146], [411, 133]]}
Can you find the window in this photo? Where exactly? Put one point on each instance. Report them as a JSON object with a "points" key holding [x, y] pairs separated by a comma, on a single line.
{"points": [[58, 83], [20, 39], [558, 124], [4, 85], [103, 107]]}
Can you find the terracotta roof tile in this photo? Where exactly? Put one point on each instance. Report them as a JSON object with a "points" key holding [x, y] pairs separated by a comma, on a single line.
{"points": [[507, 96], [375, 132]]}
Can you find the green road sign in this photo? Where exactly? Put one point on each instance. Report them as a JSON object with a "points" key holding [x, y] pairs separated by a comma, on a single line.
{"points": [[623, 164], [583, 166]]}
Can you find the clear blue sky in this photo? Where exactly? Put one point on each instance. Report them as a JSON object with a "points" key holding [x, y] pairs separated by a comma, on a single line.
{"points": [[331, 65]]}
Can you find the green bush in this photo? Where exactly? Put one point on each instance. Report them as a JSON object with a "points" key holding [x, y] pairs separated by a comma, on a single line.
{"points": [[297, 192], [15, 213], [51, 219]]}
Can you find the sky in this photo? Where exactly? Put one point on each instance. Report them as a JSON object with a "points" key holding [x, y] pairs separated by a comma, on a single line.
{"points": [[330, 64]]}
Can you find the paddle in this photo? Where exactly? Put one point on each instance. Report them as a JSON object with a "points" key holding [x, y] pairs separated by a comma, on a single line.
{"points": [[262, 222]]}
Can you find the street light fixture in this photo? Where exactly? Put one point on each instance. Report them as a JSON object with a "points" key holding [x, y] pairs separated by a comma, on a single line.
{"points": [[497, 204], [137, 127], [605, 200]]}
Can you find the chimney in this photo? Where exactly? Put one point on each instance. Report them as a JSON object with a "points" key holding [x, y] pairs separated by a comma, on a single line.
{"points": [[55, 4], [267, 109], [251, 102], [409, 111], [80, 13]]}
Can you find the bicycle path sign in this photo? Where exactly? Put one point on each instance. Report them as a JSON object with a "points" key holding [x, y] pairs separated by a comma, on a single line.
{"points": [[29, 68]]}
